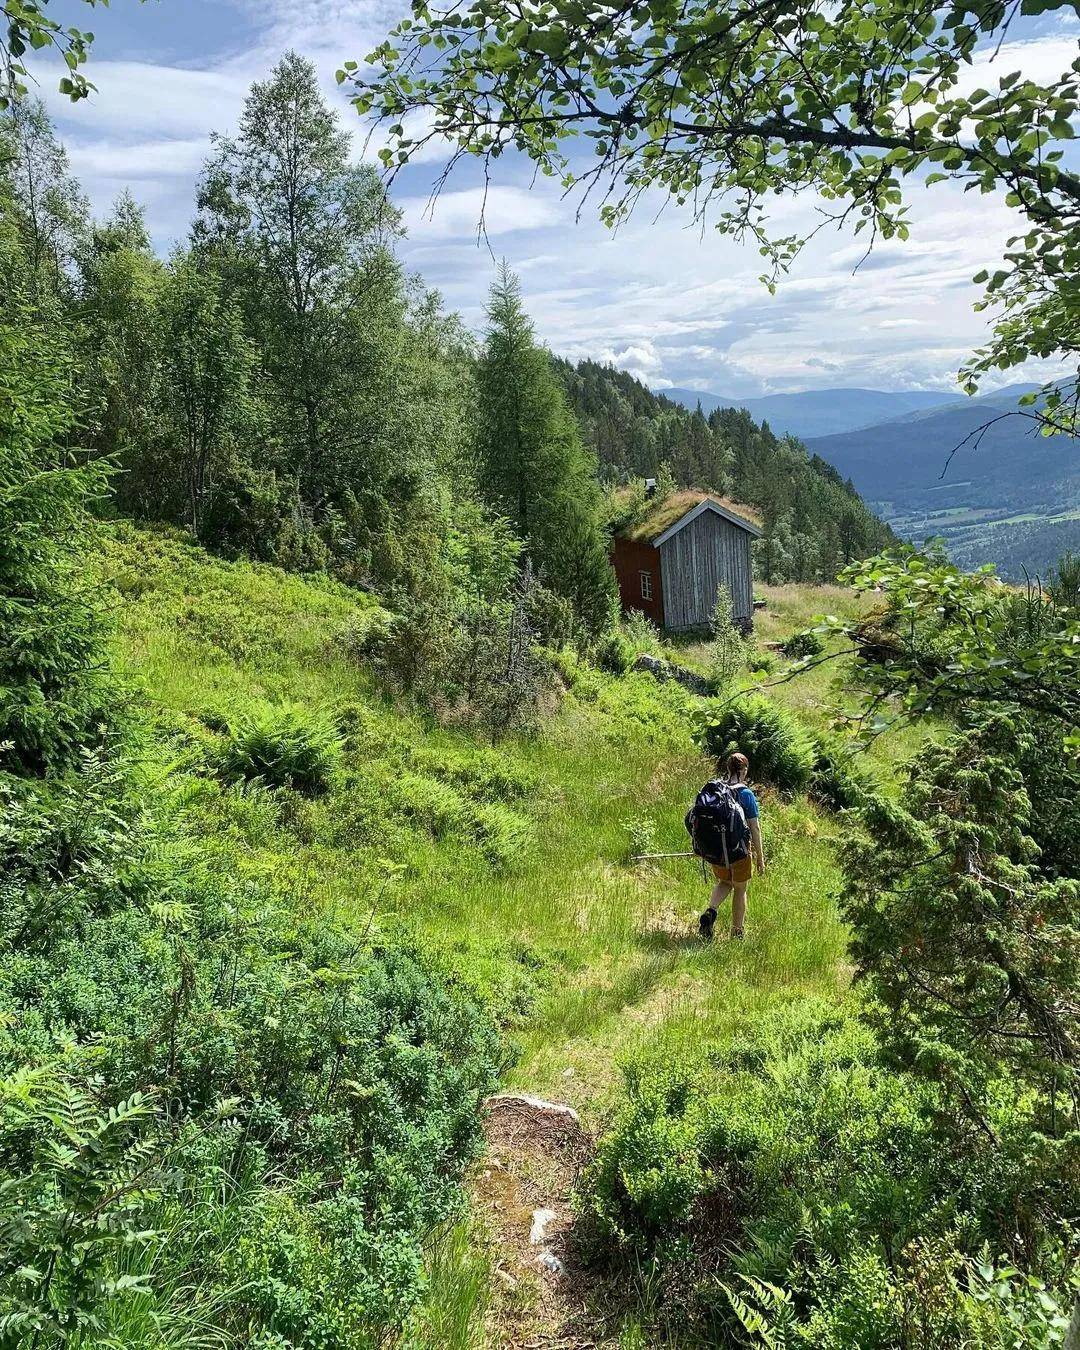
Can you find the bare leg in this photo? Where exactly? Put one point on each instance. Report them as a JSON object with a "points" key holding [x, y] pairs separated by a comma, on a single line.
{"points": [[738, 909], [720, 894]]}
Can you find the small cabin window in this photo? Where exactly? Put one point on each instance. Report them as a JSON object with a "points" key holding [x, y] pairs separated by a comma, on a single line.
{"points": [[646, 586]]}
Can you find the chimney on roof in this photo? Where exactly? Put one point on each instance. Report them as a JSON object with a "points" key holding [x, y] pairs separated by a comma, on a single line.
{"points": [[650, 489]]}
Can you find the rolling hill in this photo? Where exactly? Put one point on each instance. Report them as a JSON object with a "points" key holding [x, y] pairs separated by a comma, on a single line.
{"points": [[995, 490], [1007, 495], [817, 412]]}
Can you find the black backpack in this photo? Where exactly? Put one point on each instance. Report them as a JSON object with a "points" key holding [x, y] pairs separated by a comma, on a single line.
{"points": [[717, 825]]}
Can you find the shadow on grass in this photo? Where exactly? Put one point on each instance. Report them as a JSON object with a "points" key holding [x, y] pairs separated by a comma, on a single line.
{"points": [[661, 939]]}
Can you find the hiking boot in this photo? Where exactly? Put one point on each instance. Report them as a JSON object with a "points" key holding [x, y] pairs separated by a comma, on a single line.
{"points": [[705, 924]]}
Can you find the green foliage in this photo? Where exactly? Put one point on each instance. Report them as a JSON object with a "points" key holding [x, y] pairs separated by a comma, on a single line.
{"points": [[642, 634], [42, 201], [641, 836], [281, 747], [802, 645], [780, 753], [972, 949], [533, 468], [790, 1190], [1064, 583], [342, 1081], [49, 637], [81, 1202], [837, 781], [726, 654], [724, 112], [209, 361], [30, 29], [950, 640], [473, 660], [614, 652]]}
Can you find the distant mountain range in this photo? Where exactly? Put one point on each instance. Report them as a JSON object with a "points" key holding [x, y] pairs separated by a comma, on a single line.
{"points": [[817, 412], [1007, 495]]}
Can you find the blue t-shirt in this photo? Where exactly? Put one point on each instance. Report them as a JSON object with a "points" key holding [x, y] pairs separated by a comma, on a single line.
{"points": [[748, 802]]}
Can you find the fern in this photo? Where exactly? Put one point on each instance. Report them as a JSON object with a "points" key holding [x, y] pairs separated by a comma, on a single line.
{"points": [[84, 1197]]}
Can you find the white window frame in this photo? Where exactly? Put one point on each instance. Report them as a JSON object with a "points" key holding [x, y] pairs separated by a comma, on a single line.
{"points": [[646, 585]]}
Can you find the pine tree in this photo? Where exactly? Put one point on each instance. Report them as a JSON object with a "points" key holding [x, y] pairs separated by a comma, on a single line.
{"points": [[532, 465], [49, 629]]}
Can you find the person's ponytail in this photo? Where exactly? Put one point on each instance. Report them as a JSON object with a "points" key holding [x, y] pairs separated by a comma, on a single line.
{"points": [[737, 764]]}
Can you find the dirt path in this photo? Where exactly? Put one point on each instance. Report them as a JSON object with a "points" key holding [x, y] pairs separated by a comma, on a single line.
{"points": [[545, 1297]]}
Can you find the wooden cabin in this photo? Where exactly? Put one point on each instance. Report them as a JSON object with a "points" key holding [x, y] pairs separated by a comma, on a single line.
{"points": [[671, 560]]}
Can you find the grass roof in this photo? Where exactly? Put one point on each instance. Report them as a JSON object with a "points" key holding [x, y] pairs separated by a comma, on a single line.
{"points": [[660, 515]]}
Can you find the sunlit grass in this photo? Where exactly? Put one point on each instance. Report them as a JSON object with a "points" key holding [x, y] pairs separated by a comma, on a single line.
{"points": [[588, 957]]}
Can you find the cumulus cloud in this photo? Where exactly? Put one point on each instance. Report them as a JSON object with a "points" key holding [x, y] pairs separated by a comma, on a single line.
{"points": [[664, 298], [477, 212]]}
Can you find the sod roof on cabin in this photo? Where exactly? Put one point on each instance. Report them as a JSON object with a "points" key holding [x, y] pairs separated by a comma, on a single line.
{"points": [[661, 515]]}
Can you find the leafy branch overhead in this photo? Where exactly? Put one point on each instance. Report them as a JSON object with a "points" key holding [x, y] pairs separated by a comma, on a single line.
{"points": [[724, 105], [949, 641], [25, 30]]}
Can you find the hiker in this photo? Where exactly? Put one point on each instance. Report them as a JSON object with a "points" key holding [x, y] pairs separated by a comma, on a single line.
{"points": [[725, 826]]}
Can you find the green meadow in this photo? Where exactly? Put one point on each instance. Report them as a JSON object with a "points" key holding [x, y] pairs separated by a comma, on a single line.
{"points": [[509, 862]]}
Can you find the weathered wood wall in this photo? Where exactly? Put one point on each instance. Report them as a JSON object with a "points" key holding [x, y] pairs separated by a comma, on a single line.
{"points": [[631, 557], [695, 560]]}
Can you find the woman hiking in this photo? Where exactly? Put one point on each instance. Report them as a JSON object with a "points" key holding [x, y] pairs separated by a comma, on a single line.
{"points": [[725, 824]]}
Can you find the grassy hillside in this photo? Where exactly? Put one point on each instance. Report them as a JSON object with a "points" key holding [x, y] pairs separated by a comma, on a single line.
{"points": [[735, 1069], [508, 861]]}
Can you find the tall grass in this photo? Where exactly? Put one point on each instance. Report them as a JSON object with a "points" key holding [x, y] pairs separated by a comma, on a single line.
{"points": [[508, 862]]}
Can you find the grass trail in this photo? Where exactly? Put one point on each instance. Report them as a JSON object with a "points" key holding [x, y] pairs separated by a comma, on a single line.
{"points": [[509, 863]]}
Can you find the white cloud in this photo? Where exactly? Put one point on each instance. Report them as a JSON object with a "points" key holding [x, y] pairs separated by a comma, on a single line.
{"points": [[1042, 59], [476, 212], [139, 100], [122, 162], [673, 303]]}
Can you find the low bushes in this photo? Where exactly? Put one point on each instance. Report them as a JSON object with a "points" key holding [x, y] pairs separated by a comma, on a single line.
{"points": [[281, 747], [308, 1103], [614, 652], [795, 1190], [802, 645], [837, 781], [780, 753]]}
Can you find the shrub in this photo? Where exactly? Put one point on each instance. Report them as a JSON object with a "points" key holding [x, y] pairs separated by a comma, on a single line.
{"points": [[474, 664], [794, 1180], [641, 836], [642, 634], [282, 747], [485, 774], [550, 616], [1064, 581], [50, 633], [836, 781], [614, 652], [799, 646], [341, 1082], [760, 662], [779, 751], [82, 1197], [446, 812], [727, 651]]}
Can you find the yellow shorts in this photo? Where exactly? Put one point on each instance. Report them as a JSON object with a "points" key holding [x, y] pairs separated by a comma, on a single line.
{"points": [[738, 874]]}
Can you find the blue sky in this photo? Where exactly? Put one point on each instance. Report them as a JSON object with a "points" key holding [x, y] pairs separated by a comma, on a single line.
{"points": [[660, 298]]}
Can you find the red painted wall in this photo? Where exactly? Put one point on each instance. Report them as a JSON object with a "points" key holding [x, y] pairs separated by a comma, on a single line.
{"points": [[630, 558]]}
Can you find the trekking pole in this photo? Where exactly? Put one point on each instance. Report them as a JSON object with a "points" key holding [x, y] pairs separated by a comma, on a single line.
{"points": [[642, 857]]}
